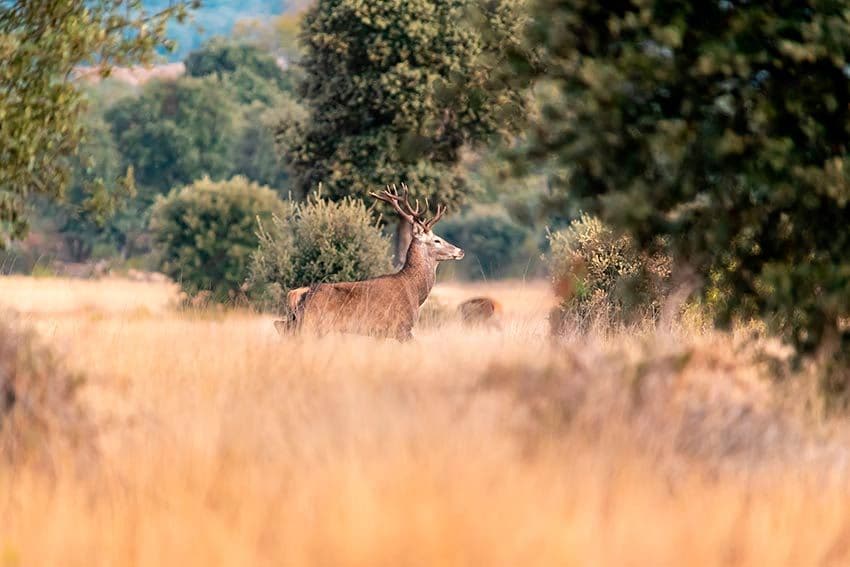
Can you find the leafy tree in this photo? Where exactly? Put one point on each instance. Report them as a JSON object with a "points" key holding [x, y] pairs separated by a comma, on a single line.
{"points": [[724, 125], [206, 232], [176, 132], [40, 45], [395, 90]]}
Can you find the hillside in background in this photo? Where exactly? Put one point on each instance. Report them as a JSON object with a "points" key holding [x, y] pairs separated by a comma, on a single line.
{"points": [[216, 17]]}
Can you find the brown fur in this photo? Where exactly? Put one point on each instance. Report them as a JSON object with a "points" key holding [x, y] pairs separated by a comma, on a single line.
{"points": [[293, 302], [294, 297], [480, 311], [386, 306]]}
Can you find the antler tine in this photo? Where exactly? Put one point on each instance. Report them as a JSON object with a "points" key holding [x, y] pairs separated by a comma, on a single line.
{"points": [[390, 195], [441, 210], [416, 213]]}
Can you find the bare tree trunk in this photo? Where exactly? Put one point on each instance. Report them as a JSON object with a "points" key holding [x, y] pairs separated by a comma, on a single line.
{"points": [[403, 237]]}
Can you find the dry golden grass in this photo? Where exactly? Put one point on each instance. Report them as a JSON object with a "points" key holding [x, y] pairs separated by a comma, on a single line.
{"points": [[56, 297], [222, 444]]}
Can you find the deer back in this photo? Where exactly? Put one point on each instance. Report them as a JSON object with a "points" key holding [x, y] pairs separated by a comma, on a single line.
{"points": [[385, 307]]}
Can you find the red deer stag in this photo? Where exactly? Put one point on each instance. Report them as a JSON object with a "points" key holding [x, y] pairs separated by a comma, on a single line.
{"points": [[386, 306]]}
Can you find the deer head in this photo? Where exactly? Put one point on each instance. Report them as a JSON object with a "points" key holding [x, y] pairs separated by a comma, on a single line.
{"points": [[436, 248]]}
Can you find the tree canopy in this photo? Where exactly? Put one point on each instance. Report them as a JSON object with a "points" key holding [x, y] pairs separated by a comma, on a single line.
{"points": [[41, 44], [396, 89], [722, 126]]}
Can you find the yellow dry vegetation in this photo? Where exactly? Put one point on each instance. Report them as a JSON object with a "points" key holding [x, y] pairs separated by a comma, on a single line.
{"points": [[222, 444], [57, 297]]}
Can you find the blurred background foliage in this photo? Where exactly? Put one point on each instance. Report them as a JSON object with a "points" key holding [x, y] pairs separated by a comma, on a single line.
{"points": [[221, 18], [720, 126]]}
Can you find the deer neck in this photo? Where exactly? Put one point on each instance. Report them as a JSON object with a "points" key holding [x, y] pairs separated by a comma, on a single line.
{"points": [[419, 269]]}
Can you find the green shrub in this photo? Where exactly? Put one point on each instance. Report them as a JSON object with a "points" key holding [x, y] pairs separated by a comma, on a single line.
{"points": [[494, 245], [206, 232], [602, 276], [318, 241]]}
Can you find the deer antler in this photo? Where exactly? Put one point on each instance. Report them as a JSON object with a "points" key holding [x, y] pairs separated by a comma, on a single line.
{"points": [[441, 210], [401, 204]]}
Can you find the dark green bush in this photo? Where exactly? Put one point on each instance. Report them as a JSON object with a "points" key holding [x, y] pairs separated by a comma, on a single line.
{"points": [[603, 276], [494, 245], [317, 241], [206, 232]]}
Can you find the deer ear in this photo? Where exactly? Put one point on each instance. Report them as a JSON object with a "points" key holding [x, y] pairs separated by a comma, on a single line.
{"points": [[417, 229]]}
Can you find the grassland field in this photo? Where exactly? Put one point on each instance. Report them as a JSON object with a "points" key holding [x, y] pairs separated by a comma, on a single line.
{"points": [[220, 443]]}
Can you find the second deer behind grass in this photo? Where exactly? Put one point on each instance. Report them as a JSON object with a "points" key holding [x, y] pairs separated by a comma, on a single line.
{"points": [[481, 311], [386, 306]]}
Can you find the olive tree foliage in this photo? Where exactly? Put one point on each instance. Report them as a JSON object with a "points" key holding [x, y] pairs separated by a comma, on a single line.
{"points": [[723, 125], [396, 89], [41, 43]]}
